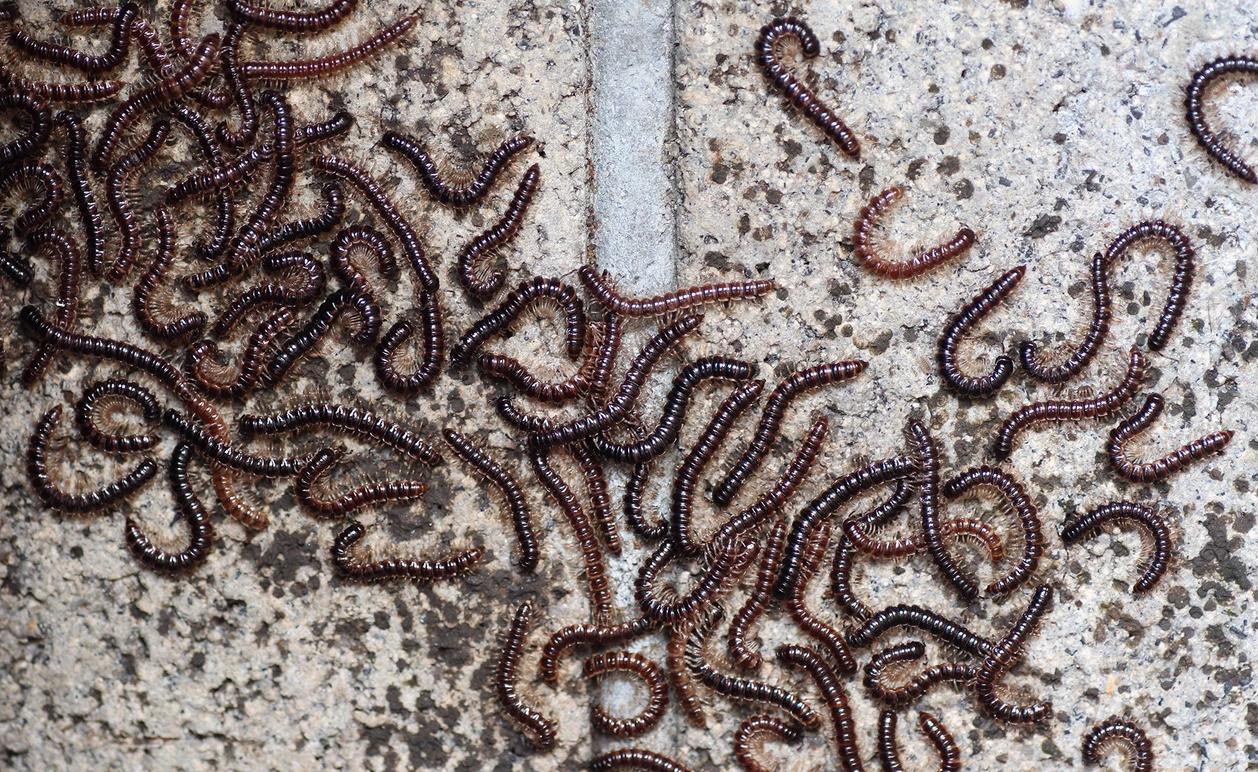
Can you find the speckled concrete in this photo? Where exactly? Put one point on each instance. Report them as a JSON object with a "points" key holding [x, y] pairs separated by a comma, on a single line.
{"points": [[1046, 127]]}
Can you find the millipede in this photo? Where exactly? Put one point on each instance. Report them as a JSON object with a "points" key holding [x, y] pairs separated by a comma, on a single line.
{"points": [[505, 482], [976, 386], [1181, 280], [1068, 367], [514, 372], [586, 635], [69, 275], [1164, 467], [679, 677], [295, 230], [309, 478], [353, 566], [596, 490], [611, 299], [200, 530], [748, 739], [809, 622], [909, 267], [605, 360], [153, 49], [65, 56], [320, 323], [802, 98], [1153, 526], [1194, 106], [739, 638], [62, 93], [539, 730], [318, 20], [636, 758], [1002, 657], [151, 301], [328, 65], [926, 455], [835, 696], [775, 408], [229, 56], [963, 527], [939, 736], [223, 382], [77, 503], [1070, 410], [736, 688], [648, 672], [75, 152], [100, 399], [225, 205], [308, 284], [34, 176], [592, 555], [361, 238], [446, 192], [345, 418], [527, 293], [915, 688], [1015, 496], [243, 247], [39, 126], [669, 608], [1127, 736], [479, 282], [222, 452], [635, 504], [119, 202], [908, 615], [426, 373]]}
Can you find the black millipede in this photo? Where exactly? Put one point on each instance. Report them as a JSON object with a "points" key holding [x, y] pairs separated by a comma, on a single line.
{"points": [[1164, 467], [1194, 106], [845, 553], [907, 615], [1129, 738], [914, 688], [477, 279], [65, 56], [748, 739], [242, 249], [320, 323], [1181, 280], [34, 323], [225, 205], [796, 91], [77, 503], [679, 676], [505, 482], [201, 532], [739, 638], [591, 553], [826, 504], [430, 174], [221, 381], [1070, 410], [514, 372], [39, 126], [506, 312], [385, 361], [102, 397], [835, 696], [809, 622], [910, 267], [390, 567], [771, 420], [976, 386], [743, 689], [315, 474], [636, 758], [596, 489], [68, 93], [76, 170], [151, 46], [404, 439], [1001, 658], [1015, 496], [953, 527], [648, 672], [69, 278], [219, 451], [1080, 527], [314, 21], [361, 237], [119, 201], [306, 227], [670, 608], [539, 730], [935, 731], [229, 59], [1070, 366], [635, 503], [331, 64], [926, 453], [308, 284], [151, 301], [34, 176], [588, 635], [605, 360], [675, 405], [611, 299]]}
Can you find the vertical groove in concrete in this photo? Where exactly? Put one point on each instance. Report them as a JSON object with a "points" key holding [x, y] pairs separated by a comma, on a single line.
{"points": [[635, 221]]}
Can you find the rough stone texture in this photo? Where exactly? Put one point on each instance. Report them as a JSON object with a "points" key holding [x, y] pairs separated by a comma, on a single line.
{"points": [[1048, 128]]}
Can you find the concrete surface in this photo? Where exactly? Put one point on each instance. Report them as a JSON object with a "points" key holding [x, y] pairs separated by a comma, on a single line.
{"points": [[1046, 127]]}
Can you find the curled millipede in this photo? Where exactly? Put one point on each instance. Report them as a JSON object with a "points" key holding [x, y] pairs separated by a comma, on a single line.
{"points": [[771, 420], [773, 499], [164, 91], [314, 21], [635, 502], [220, 381], [242, 97], [835, 697], [42, 179], [825, 505], [635, 758], [473, 275], [363, 423], [1127, 735], [1079, 528], [651, 675], [201, 532], [151, 46], [914, 266], [926, 453], [1073, 364], [514, 372], [302, 280], [609, 298], [39, 126], [592, 555], [935, 731], [351, 501], [742, 689], [976, 386], [600, 500], [800, 96], [539, 730], [430, 174], [85, 199], [1070, 410], [805, 619], [495, 473], [907, 615], [119, 202], [587, 635], [679, 676], [665, 607], [1164, 467], [222, 452], [675, 405], [356, 237], [749, 741], [77, 503], [151, 302], [65, 56], [1002, 657], [1194, 106], [527, 293], [687, 478], [631, 387], [1015, 496], [916, 687], [385, 360], [740, 647], [371, 189], [69, 275], [333, 307], [1181, 280], [328, 65], [397, 569], [102, 397]]}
